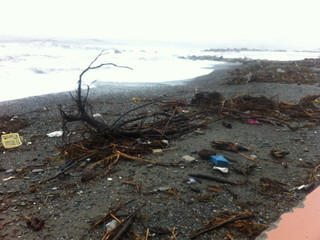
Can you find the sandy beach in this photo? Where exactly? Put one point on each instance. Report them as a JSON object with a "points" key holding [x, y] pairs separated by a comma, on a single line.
{"points": [[173, 208]]}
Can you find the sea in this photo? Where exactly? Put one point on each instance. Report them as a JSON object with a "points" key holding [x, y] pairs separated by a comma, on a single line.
{"points": [[31, 67]]}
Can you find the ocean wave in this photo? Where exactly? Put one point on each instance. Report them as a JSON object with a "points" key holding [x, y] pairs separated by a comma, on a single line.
{"points": [[54, 65]]}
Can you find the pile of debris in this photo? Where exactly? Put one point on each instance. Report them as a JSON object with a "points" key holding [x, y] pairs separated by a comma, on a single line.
{"points": [[301, 72]]}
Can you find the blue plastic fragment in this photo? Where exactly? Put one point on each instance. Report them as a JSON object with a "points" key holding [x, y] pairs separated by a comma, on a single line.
{"points": [[219, 160], [66, 164]]}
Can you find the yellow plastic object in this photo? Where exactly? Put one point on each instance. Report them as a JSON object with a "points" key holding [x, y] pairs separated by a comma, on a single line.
{"points": [[11, 140]]}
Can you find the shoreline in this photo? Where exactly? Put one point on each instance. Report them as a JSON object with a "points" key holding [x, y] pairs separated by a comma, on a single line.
{"points": [[214, 81], [122, 91]]}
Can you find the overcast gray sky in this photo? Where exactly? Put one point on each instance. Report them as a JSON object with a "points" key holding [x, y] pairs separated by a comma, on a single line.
{"points": [[283, 21]]}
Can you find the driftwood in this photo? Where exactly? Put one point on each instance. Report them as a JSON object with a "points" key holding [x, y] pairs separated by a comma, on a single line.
{"points": [[166, 123], [81, 103], [170, 121], [220, 222]]}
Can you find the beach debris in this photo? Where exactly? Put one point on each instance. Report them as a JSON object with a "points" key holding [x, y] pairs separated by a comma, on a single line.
{"points": [[270, 186], [97, 115], [107, 215], [157, 151], [167, 122], [199, 132], [221, 169], [229, 146], [87, 176], [304, 71], [254, 157], [279, 153], [253, 121], [144, 129], [306, 187], [122, 226], [8, 178], [35, 223], [226, 124], [219, 160], [161, 189], [165, 189], [37, 170], [11, 140], [55, 134], [12, 124], [219, 221], [207, 98], [110, 226], [159, 231], [136, 99], [191, 181], [165, 141], [233, 147], [189, 159], [66, 164], [246, 170], [137, 186], [9, 171], [206, 153], [211, 178]]}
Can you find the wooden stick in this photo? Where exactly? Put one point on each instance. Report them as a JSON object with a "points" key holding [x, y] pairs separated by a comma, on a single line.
{"points": [[223, 222], [106, 215], [124, 225], [247, 157], [144, 160], [35, 187], [212, 178]]}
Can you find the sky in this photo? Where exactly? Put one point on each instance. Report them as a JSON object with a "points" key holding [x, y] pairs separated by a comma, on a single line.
{"points": [[286, 22]]}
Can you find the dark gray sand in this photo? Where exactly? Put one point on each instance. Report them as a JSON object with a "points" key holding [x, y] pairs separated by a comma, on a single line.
{"points": [[69, 206]]}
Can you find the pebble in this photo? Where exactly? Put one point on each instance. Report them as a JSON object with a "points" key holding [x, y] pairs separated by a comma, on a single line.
{"points": [[83, 164], [254, 156], [199, 132], [188, 159], [191, 181], [96, 115], [165, 142], [9, 171]]}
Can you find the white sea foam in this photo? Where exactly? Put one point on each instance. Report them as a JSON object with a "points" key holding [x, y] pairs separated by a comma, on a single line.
{"points": [[36, 67]]}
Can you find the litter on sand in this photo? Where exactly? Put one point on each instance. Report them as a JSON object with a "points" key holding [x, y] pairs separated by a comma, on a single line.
{"points": [[55, 134], [11, 140]]}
